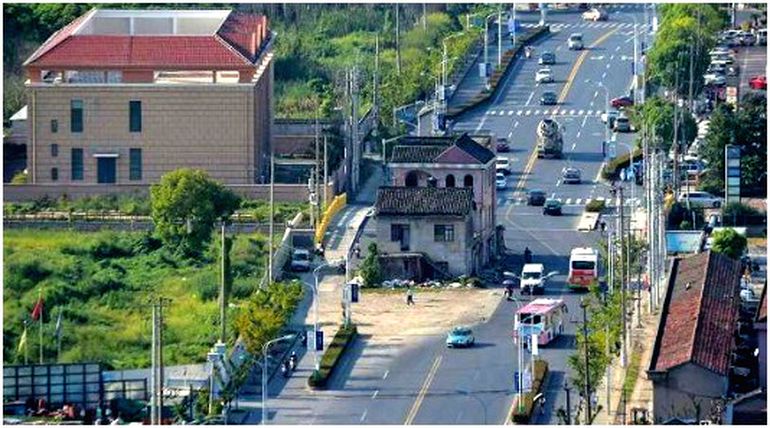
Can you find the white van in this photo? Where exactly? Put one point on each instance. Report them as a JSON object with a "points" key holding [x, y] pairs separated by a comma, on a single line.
{"points": [[575, 41]]}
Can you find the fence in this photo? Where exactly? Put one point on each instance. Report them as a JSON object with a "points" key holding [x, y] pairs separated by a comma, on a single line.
{"points": [[57, 384], [334, 207]]}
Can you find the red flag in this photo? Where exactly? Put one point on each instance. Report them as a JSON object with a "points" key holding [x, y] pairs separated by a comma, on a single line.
{"points": [[37, 311]]}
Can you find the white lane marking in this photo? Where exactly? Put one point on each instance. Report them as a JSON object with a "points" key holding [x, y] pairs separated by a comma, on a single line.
{"points": [[591, 104], [386, 374], [558, 183], [563, 112], [537, 111], [555, 111], [608, 65], [364, 415], [596, 94], [558, 47], [481, 124], [578, 135], [375, 394], [531, 94], [617, 48], [589, 112], [553, 195], [573, 146], [516, 124], [604, 74], [585, 118]]}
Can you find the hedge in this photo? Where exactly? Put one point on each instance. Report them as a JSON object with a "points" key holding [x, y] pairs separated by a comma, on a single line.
{"points": [[595, 206], [538, 380], [612, 167], [332, 356], [495, 78]]}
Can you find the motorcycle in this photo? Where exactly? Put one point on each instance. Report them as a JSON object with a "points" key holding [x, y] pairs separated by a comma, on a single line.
{"points": [[528, 52], [285, 370], [293, 361]]}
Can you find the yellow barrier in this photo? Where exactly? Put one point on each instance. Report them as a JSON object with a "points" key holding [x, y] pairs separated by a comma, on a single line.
{"points": [[337, 204]]}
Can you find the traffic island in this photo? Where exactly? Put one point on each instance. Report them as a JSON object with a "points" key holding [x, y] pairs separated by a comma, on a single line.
{"points": [[332, 357], [522, 412]]}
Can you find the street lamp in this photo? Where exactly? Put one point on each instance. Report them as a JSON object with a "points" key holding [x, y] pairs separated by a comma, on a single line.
{"points": [[519, 352], [316, 299], [569, 410], [265, 347]]}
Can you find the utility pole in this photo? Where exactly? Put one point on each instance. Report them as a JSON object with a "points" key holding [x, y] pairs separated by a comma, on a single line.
{"points": [[317, 168], [222, 291], [424, 18], [569, 407], [624, 350], [398, 43], [271, 229], [154, 368], [326, 174], [587, 389], [500, 38], [161, 303]]}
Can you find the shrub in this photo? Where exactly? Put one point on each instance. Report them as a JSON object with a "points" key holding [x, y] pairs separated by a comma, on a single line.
{"points": [[103, 281], [24, 271], [735, 214], [522, 417], [595, 206], [613, 167], [19, 178], [112, 246], [332, 356]]}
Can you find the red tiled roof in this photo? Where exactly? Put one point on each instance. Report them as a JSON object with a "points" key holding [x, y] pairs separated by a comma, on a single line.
{"points": [[699, 317], [229, 48], [58, 37]]}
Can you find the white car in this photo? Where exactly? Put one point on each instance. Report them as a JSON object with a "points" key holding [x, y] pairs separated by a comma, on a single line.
{"points": [[703, 199], [544, 75], [500, 181], [503, 165], [714, 79], [719, 50], [595, 15], [300, 260], [610, 116], [575, 41]]}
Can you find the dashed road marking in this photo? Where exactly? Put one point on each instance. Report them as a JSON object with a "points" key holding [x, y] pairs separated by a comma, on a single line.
{"points": [[375, 394]]}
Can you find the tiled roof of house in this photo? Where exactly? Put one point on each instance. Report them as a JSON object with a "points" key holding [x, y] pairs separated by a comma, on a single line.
{"points": [[428, 149], [699, 314], [420, 201], [230, 46]]}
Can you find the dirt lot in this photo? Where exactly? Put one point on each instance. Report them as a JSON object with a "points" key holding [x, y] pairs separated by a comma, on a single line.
{"points": [[384, 314]]}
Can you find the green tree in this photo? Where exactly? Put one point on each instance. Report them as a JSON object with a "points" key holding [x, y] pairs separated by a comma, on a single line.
{"points": [[657, 114], [370, 269], [185, 206], [729, 242]]}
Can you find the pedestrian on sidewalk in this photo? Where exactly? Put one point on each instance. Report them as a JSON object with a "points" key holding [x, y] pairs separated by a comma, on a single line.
{"points": [[409, 296]]}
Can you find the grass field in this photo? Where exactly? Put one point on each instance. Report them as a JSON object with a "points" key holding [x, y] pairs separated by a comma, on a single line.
{"points": [[103, 282]]}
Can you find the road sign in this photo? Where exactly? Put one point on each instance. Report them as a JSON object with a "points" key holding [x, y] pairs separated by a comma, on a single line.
{"points": [[527, 381], [534, 344]]}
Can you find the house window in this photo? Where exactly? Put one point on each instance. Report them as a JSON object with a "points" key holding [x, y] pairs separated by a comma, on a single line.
{"points": [[54, 126], [76, 116], [450, 180], [400, 232], [411, 179], [468, 181], [54, 150], [135, 164], [135, 116], [443, 233], [77, 164], [432, 182], [54, 174]]}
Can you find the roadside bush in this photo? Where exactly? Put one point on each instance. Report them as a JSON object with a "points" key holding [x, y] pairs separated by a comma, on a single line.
{"points": [[332, 356], [595, 206], [205, 285], [612, 169], [538, 379], [737, 214]]}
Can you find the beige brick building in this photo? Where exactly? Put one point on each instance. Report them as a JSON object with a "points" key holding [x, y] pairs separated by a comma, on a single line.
{"points": [[122, 97]]}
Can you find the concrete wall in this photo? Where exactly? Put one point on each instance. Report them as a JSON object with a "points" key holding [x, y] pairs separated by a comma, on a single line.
{"points": [[684, 387], [31, 192], [458, 253], [221, 128]]}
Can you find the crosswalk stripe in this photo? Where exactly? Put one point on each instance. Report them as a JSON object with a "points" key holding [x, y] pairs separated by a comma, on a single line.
{"points": [[555, 111], [527, 112], [510, 112], [590, 112], [518, 113], [578, 201], [537, 112], [571, 112], [580, 112], [563, 112], [568, 201]]}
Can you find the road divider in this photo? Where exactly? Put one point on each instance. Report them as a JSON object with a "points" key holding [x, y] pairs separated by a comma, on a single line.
{"points": [[423, 391], [588, 221], [332, 357]]}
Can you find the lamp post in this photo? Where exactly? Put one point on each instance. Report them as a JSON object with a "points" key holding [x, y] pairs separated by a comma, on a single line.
{"points": [[316, 299], [569, 409], [587, 388], [519, 341], [265, 347]]}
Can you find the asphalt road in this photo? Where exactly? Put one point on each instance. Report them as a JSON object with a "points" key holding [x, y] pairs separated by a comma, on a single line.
{"points": [[419, 381]]}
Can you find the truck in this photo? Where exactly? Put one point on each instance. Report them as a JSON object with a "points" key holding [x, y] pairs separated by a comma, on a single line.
{"points": [[549, 139]]}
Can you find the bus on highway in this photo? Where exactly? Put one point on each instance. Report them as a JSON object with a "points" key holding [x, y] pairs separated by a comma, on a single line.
{"points": [[542, 317], [583, 268]]}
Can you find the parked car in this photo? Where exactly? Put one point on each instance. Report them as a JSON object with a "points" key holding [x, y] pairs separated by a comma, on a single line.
{"points": [[762, 37], [544, 75], [502, 145], [622, 124], [547, 58], [552, 207], [758, 82], [702, 199], [500, 181], [536, 198], [503, 165], [570, 175], [720, 50], [595, 14], [548, 98], [575, 41], [623, 101], [300, 260], [460, 337], [716, 68], [716, 79]]}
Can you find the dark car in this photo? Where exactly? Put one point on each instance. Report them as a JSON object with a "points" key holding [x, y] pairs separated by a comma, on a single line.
{"points": [[623, 101], [536, 198], [547, 58], [548, 98], [502, 145], [552, 207]]}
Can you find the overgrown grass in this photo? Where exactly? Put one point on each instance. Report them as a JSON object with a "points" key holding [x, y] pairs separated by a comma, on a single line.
{"points": [[632, 374], [102, 282]]}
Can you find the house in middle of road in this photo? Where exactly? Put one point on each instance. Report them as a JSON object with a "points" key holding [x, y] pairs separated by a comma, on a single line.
{"points": [[453, 162]]}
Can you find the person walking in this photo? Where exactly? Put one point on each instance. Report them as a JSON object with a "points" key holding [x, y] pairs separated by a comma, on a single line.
{"points": [[409, 296]]}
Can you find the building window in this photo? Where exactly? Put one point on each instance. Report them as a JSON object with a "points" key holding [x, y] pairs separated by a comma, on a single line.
{"points": [[411, 179], [135, 164], [468, 181], [54, 126], [135, 116], [396, 232], [450, 180], [54, 174], [54, 150], [432, 182], [76, 116], [77, 164], [443, 233]]}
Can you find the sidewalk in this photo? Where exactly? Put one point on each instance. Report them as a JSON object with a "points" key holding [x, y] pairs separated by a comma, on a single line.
{"points": [[640, 349]]}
